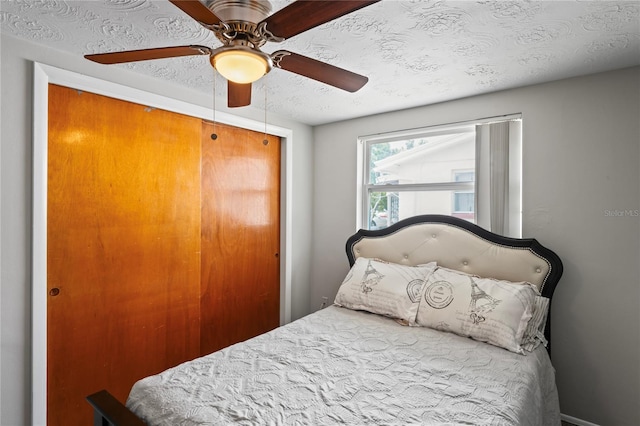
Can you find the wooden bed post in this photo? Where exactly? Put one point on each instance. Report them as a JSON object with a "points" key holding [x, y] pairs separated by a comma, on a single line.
{"points": [[108, 411]]}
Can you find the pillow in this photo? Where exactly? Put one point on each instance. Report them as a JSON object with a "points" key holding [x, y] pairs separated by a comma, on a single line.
{"points": [[384, 288], [485, 309], [534, 333]]}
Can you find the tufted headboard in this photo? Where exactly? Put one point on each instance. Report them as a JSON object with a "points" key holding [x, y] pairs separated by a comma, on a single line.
{"points": [[461, 245]]}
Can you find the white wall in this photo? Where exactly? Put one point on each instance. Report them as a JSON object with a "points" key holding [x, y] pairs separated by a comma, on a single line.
{"points": [[581, 158], [16, 78]]}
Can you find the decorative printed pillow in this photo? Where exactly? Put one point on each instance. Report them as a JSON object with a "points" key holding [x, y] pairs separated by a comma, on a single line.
{"points": [[485, 309], [384, 288]]}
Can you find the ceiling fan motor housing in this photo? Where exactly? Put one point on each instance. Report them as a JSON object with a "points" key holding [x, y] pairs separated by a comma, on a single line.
{"points": [[239, 10]]}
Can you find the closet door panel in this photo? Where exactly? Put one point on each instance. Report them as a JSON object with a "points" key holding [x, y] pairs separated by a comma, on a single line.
{"points": [[123, 244], [240, 235]]}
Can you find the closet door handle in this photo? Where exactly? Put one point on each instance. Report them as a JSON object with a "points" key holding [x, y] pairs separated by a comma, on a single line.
{"points": [[54, 291]]}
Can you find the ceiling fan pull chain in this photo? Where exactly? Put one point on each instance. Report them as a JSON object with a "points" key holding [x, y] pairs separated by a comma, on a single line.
{"points": [[214, 136], [265, 141]]}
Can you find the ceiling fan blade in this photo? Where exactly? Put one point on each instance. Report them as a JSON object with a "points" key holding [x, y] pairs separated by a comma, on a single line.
{"points": [[320, 71], [146, 54], [303, 15], [238, 95], [197, 11]]}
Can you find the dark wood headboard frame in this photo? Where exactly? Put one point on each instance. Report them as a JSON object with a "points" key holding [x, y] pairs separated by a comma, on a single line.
{"points": [[531, 244]]}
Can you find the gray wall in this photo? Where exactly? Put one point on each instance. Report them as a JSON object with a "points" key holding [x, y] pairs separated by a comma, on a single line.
{"points": [[581, 158], [16, 77]]}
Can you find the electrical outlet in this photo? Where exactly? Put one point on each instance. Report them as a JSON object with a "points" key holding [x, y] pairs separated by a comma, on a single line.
{"points": [[324, 302]]}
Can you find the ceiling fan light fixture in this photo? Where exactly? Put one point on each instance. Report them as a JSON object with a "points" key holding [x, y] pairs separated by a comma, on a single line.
{"points": [[240, 64]]}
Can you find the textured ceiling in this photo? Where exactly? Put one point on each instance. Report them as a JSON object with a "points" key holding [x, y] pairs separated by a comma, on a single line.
{"points": [[414, 52]]}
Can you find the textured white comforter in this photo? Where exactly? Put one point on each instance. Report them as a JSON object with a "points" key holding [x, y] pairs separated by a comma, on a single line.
{"points": [[339, 366]]}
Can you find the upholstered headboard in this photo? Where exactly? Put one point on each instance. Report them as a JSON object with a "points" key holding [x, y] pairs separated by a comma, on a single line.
{"points": [[461, 245]]}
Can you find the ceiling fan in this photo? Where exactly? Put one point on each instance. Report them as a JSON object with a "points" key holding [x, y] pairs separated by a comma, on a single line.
{"points": [[243, 26]]}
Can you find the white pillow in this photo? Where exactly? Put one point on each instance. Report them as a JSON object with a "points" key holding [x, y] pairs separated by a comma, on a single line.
{"points": [[534, 333], [485, 309], [384, 288]]}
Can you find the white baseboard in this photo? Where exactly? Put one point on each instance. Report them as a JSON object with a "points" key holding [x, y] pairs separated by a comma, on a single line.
{"points": [[576, 421]]}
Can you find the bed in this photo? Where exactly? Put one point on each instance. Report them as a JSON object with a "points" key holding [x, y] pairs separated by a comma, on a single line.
{"points": [[437, 322]]}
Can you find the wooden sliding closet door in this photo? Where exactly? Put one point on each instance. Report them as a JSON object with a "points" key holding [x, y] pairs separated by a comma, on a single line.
{"points": [[240, 235], [123, 247]]}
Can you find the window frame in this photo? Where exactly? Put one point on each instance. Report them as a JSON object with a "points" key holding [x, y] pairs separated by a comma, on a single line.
{"points": [[365, 188], [368, 188], [456, 173]]}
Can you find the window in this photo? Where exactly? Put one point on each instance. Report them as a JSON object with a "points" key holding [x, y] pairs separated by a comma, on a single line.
{"points": [[464, 201], [440, 170]]}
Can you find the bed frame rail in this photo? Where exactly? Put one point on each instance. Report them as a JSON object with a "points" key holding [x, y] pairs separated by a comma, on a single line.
{"points": [[108, 411]]}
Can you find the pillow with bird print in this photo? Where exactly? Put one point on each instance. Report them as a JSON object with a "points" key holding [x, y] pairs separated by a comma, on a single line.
{"points": [[486, 309], [384, 288]]}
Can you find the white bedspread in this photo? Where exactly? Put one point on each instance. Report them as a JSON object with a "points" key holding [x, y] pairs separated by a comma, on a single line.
{"points": [[338, 366]]}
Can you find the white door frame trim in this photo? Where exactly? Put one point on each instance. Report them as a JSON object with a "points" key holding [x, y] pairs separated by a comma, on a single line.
{"points": [[43, 76]]}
